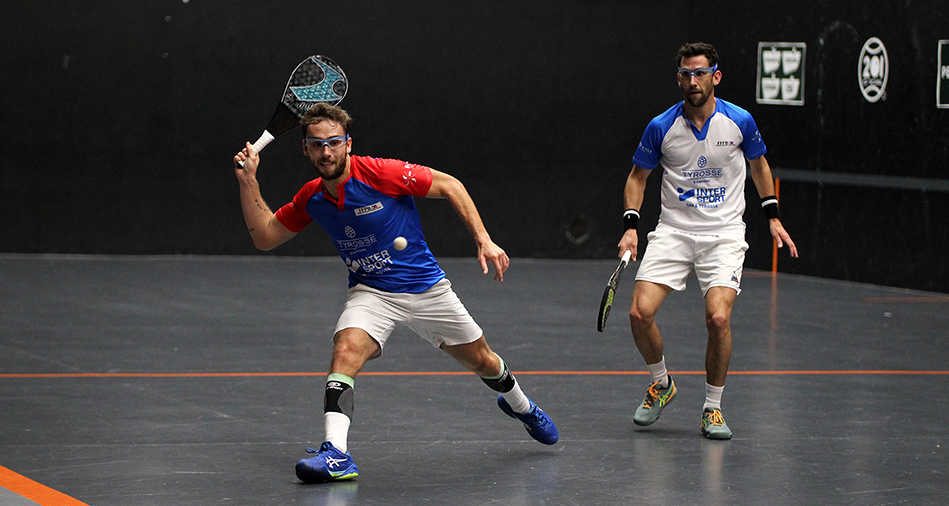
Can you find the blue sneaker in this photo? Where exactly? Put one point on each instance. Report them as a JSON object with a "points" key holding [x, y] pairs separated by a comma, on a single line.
{"points": [[329, 464], [537, 423]]}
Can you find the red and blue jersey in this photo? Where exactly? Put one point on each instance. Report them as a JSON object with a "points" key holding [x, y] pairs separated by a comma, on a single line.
{"points": [[375, 206]]}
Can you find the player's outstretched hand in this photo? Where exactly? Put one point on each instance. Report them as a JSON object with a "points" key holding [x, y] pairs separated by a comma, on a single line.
{"points": [[490, 252], [781, 236], [250, 159]]}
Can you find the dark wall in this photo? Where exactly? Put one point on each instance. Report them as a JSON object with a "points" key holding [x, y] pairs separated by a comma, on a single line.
{"points": [[118, 120]]}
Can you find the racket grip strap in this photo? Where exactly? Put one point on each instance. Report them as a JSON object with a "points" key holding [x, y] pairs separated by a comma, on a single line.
{"points": [[264, 139]]}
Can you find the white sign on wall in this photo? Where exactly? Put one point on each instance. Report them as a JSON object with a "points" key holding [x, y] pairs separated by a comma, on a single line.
{"points": [[873, 70], [942, 75], [781, 73]]}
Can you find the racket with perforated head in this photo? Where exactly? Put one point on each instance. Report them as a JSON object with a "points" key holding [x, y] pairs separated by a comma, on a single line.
{"points": [[606, 303], [316, 79]]}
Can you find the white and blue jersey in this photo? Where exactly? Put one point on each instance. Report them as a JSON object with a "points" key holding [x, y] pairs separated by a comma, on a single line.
{"points": [[375, 206], [703, 186]]}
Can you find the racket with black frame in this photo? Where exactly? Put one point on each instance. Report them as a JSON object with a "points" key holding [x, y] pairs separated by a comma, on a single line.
{"points": [[316, 79], [606, 303]]}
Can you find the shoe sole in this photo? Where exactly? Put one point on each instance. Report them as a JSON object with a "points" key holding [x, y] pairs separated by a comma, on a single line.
{"points": [[717, 437], [322, 479], [308, 474]]}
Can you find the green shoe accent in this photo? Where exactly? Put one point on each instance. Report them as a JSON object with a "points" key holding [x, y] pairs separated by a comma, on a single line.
{"points": [[656, 398], [714, 426]]}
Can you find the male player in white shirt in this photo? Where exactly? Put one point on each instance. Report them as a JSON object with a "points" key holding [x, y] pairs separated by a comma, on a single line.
{"points": [[702, 143]]}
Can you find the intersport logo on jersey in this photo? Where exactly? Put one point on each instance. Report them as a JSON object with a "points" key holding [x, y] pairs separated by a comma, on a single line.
{"points": [[378, 262], [702, 197]]}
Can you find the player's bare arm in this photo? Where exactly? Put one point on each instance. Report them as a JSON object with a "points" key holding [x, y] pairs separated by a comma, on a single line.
{"points": [[633, 199], [266, 231], [445, 186], [764, 182]]}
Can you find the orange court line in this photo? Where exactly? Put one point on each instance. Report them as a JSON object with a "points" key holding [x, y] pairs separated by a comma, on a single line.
{"points": [[36, 492], [429, 373], [774, 243], [907, 299]]}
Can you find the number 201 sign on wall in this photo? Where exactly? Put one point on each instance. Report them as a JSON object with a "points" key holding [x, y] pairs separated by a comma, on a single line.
{"points": [[873, 69]]}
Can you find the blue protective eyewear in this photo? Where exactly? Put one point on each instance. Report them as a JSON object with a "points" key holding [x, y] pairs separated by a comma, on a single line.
{"points": [[698, 73], [332, 142]]}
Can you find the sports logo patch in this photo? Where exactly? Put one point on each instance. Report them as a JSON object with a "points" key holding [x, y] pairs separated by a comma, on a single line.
{"points": [[368, 209], [372, 264], [704, 197], [408, 178]]}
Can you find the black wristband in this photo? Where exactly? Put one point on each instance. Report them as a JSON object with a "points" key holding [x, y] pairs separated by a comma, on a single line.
{"points": [[630, 219], [770, 206]]}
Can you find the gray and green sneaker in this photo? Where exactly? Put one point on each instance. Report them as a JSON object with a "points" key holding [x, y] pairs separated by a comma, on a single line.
{"points": [[656, 398], [713, 425]]}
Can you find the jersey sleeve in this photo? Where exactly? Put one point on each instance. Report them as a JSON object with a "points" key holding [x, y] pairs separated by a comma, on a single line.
{"points": [[293, 214], [650, 147], [752, 145], [396, 178], [648, 153]]}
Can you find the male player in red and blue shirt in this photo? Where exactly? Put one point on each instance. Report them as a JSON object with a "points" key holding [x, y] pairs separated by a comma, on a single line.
{"points": [[365, 204]]}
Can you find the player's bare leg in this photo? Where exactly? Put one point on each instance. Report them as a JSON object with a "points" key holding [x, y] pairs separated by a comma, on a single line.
{"points": [[352, 347], [719, 302], [718, 312], [647, 298], [478, 358]]}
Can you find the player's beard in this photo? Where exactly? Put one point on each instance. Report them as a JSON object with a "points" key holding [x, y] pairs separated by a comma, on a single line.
{"points": [[698, 100], [333, 170]]}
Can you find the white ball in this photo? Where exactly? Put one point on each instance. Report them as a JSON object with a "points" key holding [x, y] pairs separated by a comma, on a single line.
{"points": [[400, 243]]}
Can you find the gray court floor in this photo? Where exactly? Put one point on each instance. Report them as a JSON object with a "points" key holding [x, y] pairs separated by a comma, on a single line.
{"points": [[198, 381]]}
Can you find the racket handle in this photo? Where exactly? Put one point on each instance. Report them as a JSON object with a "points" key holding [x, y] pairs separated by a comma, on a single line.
{"points": [[626, 256], [261, 143]]}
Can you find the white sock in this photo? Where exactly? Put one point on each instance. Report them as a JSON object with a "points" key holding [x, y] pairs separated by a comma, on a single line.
{"points": [[516, 398], [337, 429], [713, 396], [659, 373]]}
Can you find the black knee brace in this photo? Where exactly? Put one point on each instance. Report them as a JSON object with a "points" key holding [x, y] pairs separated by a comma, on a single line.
{"points": [[503, 384], [338, 398]]}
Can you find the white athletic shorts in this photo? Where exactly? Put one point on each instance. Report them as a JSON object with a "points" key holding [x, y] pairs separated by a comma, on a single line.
{"points": [[437, 315], [672, 254]]}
